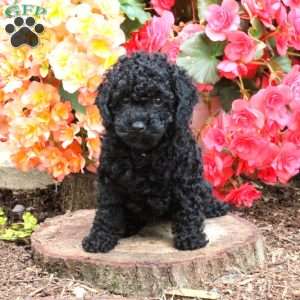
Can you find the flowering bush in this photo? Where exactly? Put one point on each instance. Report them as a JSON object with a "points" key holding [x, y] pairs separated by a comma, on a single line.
{"points": [[242, 53], [245, 53], [47, 93]]}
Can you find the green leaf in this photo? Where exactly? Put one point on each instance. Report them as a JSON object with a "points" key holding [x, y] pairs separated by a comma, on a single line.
{"points": [[257, 29], [13, 235], [129, 26], [17, 230], [134, 9], [3, 218], [203, 5], [227, 92], [73, 98], [198, 55], [281, 63], [30, 221]]}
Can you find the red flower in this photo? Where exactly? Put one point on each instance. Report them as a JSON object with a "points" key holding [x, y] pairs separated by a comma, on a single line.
{"points": [[152, 36], [231, 69], [268, 175], [244, 195], [162, 5], [217, 167]]}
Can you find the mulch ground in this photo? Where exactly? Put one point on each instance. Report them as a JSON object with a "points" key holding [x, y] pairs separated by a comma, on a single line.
{"points": [[278, 220]]}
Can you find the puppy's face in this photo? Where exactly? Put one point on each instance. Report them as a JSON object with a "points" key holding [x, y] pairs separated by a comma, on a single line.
{"points": [[142, 113]]}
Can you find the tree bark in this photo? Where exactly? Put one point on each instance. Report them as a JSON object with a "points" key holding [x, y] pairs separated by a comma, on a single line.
{"points": [[146, 264]]}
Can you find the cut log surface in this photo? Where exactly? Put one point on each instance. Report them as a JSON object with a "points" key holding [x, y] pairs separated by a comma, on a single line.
{"points": [[146, 264]]}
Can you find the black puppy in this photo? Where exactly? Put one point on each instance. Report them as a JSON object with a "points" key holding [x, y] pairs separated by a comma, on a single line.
{"points": [[150, 165]]}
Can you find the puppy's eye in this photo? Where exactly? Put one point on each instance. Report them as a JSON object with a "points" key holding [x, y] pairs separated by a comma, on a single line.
{"points": [[157, 101]]}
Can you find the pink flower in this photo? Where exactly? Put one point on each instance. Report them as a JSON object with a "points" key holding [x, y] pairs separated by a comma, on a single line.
{"points": [[204, 88], [246, 147], [152, 36], [162, 5], [172, 49], [271, 131], [292, 3], [273, 101], [292, 80], [244, 195], [245, 118], [292, 137], [295, 121], [294, 20], [222, 19], [282, 39], [287, 163], [267, 175], [230, 69], [255, 150], [217, 167], [188, 31], [240, 47], [282, 34], [265, 10], [214, 138]]}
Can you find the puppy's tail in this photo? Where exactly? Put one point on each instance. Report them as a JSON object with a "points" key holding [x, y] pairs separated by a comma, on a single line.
{"points": [[212, 208]]}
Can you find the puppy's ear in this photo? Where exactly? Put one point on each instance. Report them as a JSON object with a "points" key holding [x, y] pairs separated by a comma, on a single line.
{"points": [[187, 97], [102, 102]]}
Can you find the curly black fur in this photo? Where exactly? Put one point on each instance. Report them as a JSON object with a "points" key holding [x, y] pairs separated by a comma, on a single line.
{"points": [[150, 165]]}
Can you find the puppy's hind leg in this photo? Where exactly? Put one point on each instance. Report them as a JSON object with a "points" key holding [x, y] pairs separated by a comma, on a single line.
{"points": [[212, 208]]}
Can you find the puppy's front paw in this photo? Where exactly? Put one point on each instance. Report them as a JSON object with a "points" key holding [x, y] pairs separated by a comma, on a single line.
{"points": [[190, 242], [99, 243]]}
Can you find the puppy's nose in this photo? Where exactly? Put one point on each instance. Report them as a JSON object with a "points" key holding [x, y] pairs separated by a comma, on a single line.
{"points": [[138, 126]]}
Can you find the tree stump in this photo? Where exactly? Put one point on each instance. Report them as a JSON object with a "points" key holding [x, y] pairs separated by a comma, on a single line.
{"points": [[146, 264]]}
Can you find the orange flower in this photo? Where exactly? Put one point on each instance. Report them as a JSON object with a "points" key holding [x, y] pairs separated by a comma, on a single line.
{"points": [[28, 131], [4, 126], [74, 157], [24, 161], [61, 115], [94, 146], [87, 98], [66, 134], [91, 121], [54, 161], [40, 96]]}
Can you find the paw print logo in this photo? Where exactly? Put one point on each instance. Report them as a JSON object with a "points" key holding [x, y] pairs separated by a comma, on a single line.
{"points": [[24, 32]]}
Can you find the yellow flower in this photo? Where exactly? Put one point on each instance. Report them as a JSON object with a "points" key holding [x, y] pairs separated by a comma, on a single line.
{"points": [[59, 58], [78, 71], [84, 24], [26, 132], [57, 11], [47, 42], [110, 9], [40, 96]]}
